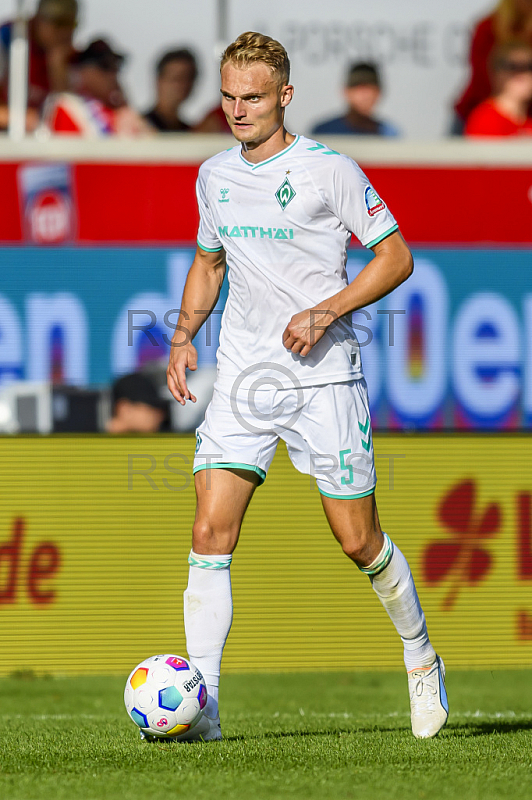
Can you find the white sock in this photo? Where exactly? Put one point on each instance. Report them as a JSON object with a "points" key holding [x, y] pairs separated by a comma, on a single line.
{"points": [[394, 585], [208, 616]]}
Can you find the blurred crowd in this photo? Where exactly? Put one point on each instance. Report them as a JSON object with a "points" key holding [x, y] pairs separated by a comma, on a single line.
{"points": [[79, 92]]}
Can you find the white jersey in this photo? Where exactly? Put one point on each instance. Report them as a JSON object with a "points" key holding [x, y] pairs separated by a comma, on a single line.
{"points": [[285, 224]]}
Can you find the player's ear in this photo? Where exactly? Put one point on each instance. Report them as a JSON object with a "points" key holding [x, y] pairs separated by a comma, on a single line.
{"points": [[287, 92]]}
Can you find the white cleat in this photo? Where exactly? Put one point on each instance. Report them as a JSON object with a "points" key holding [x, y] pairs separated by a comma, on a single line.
{"points": [[428, 700], [208, 729]]}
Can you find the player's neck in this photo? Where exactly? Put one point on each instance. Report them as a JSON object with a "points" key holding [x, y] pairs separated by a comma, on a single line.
{"points": [[256, 152]]}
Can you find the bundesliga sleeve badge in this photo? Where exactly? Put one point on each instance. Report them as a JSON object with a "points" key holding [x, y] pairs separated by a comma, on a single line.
{"points": [[373, 202]]}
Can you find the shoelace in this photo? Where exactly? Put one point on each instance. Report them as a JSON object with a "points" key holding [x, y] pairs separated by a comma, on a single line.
{"points": [[424, 694]]}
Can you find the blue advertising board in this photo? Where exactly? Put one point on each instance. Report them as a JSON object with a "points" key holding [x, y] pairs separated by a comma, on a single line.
{"points": [[450, 348]]}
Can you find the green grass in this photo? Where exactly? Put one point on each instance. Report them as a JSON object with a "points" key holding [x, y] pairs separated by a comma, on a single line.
{"points": [[286, 736]]}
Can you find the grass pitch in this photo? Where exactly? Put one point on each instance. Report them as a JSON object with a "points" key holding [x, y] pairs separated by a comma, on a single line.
{"points": [[286, 736]]}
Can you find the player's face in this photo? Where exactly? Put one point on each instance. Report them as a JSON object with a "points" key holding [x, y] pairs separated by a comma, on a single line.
{"points": [[253, 102]]}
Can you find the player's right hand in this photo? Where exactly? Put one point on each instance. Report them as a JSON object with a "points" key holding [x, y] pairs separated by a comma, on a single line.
{"points": [[182, 357]]}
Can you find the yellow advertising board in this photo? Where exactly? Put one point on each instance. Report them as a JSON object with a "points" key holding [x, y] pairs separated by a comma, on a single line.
{"points": [[95, 534]]}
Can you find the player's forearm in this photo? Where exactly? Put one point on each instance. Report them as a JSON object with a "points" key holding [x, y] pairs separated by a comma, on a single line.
{"points": [[375, 281], [200, 295], [390, 267]]}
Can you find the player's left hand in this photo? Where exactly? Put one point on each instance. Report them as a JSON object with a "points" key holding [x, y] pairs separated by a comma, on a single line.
{"points": [[306, 328]]}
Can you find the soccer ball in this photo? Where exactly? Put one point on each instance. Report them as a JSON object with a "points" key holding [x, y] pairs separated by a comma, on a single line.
{"points": [[165, 696]]}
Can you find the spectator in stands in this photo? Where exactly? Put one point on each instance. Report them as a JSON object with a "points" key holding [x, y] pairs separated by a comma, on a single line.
{"points": [[362, 92], [50, 34], [137, 408], [510, 21], [99, 107], [214, 121], [176, 73], [507, 112]]}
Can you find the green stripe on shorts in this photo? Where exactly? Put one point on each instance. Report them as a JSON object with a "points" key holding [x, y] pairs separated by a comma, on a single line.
{"points": [[346, 496], [232, 465]]}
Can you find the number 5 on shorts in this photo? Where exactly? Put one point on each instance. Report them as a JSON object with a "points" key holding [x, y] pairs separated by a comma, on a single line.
{"points": [[346, 481]]}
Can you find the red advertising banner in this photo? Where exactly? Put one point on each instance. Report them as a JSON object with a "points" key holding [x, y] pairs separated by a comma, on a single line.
{"points": [[154, 203]]}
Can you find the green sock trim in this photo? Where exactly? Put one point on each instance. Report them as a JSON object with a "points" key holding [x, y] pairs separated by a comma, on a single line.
{"points": [[209, 562], [382, 560]]}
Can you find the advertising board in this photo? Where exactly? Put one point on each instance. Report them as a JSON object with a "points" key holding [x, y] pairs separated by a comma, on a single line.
{"points": [[95, 534], [95, 250], [451, 348]]}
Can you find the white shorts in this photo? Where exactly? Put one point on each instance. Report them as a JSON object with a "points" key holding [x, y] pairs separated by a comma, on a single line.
{"points": [[327, 431]]}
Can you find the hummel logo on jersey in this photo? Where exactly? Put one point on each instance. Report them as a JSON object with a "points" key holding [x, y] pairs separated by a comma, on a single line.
{"points": [[285, 193], [224, 198]]}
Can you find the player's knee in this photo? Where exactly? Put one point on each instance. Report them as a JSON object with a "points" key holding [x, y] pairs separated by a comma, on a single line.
{"points": [[360, 547], [211, 539]]}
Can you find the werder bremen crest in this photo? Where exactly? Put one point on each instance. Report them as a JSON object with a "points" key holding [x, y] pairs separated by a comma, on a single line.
{"points": [[285, 193]]}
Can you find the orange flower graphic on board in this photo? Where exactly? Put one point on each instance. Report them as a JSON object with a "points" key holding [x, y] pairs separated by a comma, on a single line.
{"points": [[461, 559]]}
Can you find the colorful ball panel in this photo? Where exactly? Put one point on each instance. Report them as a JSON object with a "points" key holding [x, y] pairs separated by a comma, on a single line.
{"points": [[178, 730], [139, 677], [138, 718], [170, 698], [177, 663], [202, 697]]}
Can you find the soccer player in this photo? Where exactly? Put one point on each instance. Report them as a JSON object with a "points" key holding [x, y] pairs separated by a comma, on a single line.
{"points": [[278, 210]]}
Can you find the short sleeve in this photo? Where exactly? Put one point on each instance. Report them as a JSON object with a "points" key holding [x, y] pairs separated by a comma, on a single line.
{"points": [[207, 234], [354, 201]]}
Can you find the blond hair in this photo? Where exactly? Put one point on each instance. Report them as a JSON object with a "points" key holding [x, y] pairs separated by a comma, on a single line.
{"points": [[506, 23], [253, 48]]}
